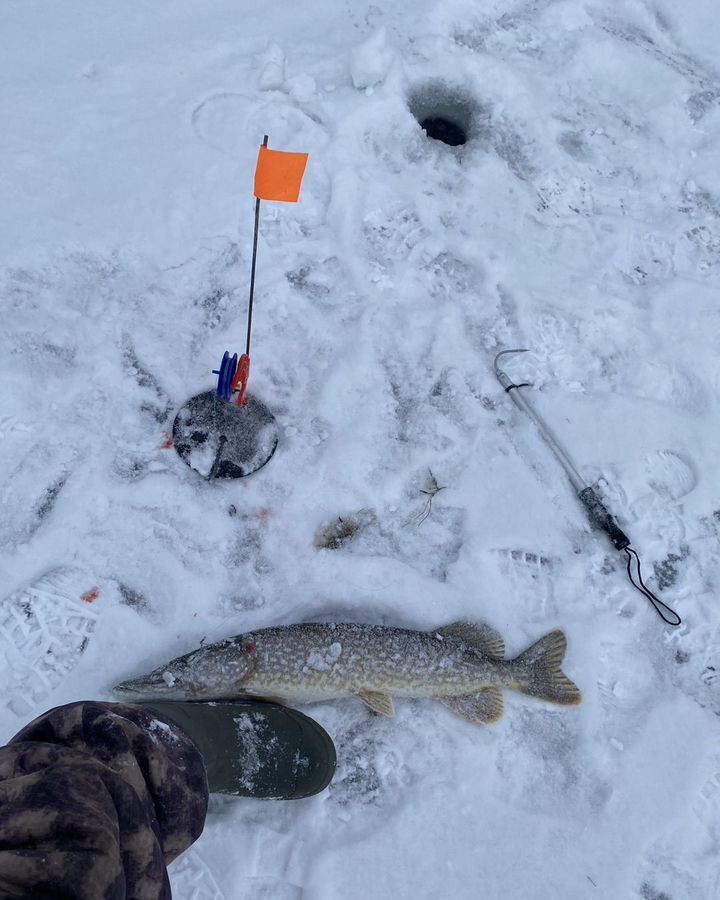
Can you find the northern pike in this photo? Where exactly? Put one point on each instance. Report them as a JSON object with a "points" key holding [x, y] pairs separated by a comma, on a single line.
{"points": [[462, 665]]}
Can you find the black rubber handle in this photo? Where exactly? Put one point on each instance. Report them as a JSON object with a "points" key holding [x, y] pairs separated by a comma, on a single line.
{"points": [[602, 519]]}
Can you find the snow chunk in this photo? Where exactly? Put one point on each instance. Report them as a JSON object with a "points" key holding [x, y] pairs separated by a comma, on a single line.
{"points": [[371, 60], [301, 87], [322, 659], [168, 678], [158, 730], [272, 76], [316, 660]]}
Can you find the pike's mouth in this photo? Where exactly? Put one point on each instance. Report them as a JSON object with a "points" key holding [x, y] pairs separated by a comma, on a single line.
{"points": [[160, 684]]}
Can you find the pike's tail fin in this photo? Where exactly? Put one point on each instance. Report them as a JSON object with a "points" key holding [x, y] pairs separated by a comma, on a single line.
{"points": [[538, 671]]}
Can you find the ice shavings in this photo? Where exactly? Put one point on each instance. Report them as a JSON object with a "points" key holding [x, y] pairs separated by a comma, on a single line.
{"points": [[254, 748]]}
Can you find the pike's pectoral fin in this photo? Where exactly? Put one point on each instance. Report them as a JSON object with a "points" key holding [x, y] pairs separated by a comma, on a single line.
{"points": [[482, 708], [378, 702], [476, 634]]}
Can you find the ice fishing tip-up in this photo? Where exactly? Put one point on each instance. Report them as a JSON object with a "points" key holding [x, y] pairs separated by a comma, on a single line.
{"points": [[278, 177]]}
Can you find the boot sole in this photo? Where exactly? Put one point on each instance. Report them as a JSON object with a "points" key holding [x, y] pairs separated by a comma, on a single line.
{"points": [[254, 748]]}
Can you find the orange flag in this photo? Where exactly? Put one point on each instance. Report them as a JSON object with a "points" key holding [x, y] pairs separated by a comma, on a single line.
{"points": [[279, 175]]}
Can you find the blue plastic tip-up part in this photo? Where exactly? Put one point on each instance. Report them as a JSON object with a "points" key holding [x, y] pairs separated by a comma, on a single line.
{"points": [[226, 374]]}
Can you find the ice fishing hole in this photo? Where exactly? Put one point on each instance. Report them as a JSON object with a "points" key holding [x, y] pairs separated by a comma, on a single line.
{"points": [[443, 112], [445, 130]]}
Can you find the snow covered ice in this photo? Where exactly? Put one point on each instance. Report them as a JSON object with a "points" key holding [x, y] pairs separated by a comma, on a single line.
{"points": [[581, 219]]}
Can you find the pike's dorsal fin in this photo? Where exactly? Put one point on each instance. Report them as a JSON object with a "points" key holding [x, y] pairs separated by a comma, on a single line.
{"points": [[378, 702], [482, 708], [478, 635]]}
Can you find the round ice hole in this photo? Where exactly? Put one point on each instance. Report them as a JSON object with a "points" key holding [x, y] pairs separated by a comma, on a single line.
{"points": [[444, 112], [441, 129]]}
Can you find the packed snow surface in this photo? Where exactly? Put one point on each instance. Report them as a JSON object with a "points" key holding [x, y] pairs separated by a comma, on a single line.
{"points": [[580, 220]]}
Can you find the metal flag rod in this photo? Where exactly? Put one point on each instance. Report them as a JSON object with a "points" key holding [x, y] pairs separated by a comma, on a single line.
{"points": [[252, 268]]}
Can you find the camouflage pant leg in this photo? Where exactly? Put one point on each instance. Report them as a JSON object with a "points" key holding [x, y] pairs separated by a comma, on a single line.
{"points": [[95, 800]]}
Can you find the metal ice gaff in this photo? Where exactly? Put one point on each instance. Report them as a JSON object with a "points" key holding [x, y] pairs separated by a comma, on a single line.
{"points": [[599, 516]]}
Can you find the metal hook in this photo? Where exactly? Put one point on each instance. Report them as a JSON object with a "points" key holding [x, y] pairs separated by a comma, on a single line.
{"points": [[503, 352], [502, 377]]}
